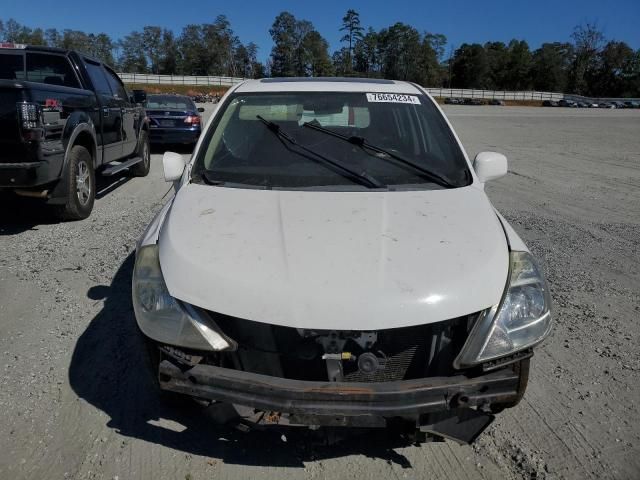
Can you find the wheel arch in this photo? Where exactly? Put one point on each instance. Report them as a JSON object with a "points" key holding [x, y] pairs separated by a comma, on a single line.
{"points": [[83, 134]]}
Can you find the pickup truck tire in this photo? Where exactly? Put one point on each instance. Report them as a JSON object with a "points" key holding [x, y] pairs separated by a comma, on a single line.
{"points": [[144, 151], [82, 186]]}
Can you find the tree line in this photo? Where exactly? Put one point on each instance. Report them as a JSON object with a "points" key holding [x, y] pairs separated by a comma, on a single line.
{"points": [[590, 64], [200, 49]]}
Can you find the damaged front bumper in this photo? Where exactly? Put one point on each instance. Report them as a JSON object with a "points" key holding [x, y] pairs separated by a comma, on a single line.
{"points": [[455, 407]]}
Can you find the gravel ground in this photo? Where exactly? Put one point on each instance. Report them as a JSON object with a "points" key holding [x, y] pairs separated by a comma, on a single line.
{"points": [[77, 404]]}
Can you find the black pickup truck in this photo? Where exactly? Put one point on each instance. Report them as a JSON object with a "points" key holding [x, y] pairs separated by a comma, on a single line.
{"points": [[63, 117]]}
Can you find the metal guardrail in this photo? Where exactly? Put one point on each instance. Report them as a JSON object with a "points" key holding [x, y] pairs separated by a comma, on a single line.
{"points": [[525, 95], [150, 79], [580, 98], [493, 94], [219, 81]]}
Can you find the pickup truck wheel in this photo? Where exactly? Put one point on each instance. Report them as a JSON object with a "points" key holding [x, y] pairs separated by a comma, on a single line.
{"points": [[141, 169], [82, 185]]}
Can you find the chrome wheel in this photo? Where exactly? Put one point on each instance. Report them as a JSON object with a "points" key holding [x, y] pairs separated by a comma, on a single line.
{"points": [[83, 182], [146, 154]]}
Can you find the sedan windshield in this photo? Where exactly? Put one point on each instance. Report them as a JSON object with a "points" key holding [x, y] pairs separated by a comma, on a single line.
{"points": [[396, 141]]}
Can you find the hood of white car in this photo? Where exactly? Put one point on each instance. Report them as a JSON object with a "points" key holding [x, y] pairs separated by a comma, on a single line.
{"points": [[334, 260]]}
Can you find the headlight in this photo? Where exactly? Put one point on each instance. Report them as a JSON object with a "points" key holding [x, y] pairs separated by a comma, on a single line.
{"points": [[162, 318], [521, 319]]}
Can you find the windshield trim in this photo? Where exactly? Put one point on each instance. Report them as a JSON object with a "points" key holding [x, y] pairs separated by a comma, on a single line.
{"points": [[466, 171]]}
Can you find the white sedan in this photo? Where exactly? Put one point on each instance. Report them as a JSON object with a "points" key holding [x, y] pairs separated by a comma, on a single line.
{"points": [[330, 258]]}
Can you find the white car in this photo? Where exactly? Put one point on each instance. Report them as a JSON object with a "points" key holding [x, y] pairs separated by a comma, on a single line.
{"points": [[330, 258]]}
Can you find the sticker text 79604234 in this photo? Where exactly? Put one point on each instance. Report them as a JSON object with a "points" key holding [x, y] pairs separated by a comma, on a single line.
{"points": [[393, 98]]}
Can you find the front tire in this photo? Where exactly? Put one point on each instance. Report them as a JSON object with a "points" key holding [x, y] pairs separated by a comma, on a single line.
{"points": [[141, 169], [81, 179]]}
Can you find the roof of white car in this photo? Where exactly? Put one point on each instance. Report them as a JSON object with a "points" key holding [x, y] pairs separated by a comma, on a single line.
{"points": [[326, 84]]}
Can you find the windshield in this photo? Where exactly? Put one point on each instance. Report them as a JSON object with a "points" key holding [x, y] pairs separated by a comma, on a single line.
{"points": [[169, 101], [240, 149]]}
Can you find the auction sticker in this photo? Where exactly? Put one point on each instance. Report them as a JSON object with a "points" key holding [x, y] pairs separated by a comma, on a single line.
{"points": [[393, 98]]}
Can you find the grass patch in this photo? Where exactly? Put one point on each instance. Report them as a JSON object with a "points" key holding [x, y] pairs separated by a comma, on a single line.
{"points": [[190, 90]]}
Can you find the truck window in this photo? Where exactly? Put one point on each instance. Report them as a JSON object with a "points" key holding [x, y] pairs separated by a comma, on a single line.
{"points": [[51, 69], [11, 66], [116, 85], [98, 78]]}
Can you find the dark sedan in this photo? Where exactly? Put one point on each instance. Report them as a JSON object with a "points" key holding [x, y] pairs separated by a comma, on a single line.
{"points": [[173, 119]]}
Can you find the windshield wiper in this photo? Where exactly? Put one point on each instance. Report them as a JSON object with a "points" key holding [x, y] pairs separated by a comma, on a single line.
{"points": [[207, 177], [364, 144], [361, 178]]}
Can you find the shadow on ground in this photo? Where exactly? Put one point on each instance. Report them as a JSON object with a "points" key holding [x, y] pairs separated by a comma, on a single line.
{"points": [[108, 371], [19, 214]]}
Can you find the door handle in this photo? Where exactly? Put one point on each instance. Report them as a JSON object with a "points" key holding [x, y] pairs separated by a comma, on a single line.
{"points": [[105, 111]]}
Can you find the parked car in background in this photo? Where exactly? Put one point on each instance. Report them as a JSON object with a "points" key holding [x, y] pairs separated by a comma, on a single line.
{"points": [[473, 101], [567, 103], [330, 258], [549, 103], [453, 101], [495, 101], [64, 117], [173, 119]]}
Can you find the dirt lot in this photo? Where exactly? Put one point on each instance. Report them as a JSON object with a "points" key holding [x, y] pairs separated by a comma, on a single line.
{"points": [[76, 404]]}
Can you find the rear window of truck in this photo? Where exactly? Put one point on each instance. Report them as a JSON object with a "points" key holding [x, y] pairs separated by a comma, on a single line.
{"points": [[11, 66], [51, 69]]}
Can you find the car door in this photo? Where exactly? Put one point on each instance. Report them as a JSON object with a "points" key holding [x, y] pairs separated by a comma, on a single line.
{"points": [[128, 110], [110, 112]]}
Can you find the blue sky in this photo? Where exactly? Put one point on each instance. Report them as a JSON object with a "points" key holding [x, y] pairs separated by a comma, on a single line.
{"points": [[461, 21]]}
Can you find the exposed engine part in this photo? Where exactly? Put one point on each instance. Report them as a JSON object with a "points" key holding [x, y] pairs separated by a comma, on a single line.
{"points": [[316, 355], [366, 340], [180, 356], [307, 349], [369, 363], [347, 356], [333, 341], [334, 370]]}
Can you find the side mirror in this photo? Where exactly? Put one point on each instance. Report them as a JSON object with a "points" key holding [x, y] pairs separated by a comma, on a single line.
{"points": [[201, 109], [139, 96], [173, 165], [489, 166]]}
